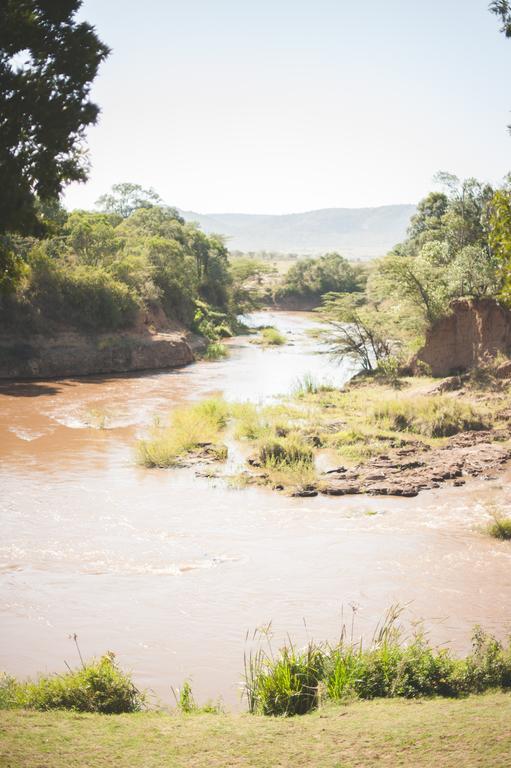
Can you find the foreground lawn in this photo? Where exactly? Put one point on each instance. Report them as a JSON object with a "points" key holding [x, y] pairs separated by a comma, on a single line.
{"points": [[440, 732]]}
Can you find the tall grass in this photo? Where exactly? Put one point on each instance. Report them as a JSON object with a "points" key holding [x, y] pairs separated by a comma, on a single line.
{"points": [[271, 337], [294, 681], [190, 428], [216, 351], [283, 452], [433, 416], [99, 686]]}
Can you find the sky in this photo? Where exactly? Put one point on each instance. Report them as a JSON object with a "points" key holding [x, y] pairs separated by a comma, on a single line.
{"points": [[281, 106]]}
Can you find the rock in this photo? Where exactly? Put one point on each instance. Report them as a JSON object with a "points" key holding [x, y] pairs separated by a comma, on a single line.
{"points": [[339, 488], [451, 384]]}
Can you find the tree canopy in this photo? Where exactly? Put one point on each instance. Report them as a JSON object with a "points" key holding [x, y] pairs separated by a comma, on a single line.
{"points": [[48, 61]]}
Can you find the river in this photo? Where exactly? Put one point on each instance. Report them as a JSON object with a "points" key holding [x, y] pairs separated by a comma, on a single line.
{"points": [[170, 570]]}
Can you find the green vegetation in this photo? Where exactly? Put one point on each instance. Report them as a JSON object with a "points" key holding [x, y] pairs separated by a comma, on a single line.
{"points": [[310, 279], [192, 429], [500, 528], [45, 112], [458, 246], [433, 416], [295, 681], [216, 351], [271, 337], [99, 686], [186, 704], [99, 271]]}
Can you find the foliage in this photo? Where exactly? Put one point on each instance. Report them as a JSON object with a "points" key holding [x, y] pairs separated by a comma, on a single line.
{"points": [[126, 198], [271, 337], [216, 351], [356, 329], [151, 261], [48, 61], [500, 528], [99, 686], [500, 238], [294, 681], [312, 278], [191, 428], [187, 705], [275, 452], [502, 8]]}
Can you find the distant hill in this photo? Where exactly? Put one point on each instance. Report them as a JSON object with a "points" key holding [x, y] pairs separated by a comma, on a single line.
{"points": [[361, 233]]}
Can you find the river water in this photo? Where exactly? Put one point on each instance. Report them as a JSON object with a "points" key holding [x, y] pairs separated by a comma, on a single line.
{"points": [[171, 570]]}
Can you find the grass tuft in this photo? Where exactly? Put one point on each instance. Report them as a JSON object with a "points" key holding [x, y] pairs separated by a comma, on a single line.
{"points": [[433, 416], [191, 427]]}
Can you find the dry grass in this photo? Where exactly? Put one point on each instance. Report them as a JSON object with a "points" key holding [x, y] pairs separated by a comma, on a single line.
{"points": [[472, 733]]}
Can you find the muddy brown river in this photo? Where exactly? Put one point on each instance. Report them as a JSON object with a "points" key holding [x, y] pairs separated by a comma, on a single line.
{"points": [[171, 570]]}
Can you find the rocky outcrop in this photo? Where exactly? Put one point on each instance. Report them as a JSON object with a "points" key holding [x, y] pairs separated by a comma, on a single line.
{"points": [[473, 332], [73, 354], [417, 467]]}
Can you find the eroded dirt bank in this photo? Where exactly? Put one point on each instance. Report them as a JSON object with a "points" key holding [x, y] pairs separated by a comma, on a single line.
{"points": [[150, 345]]}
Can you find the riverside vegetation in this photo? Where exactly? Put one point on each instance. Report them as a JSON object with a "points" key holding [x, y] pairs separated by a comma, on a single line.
{"points": [[411, 429]]}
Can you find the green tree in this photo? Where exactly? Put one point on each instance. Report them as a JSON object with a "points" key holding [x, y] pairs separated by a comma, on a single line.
{"points": [[500, 237], [357, 329], [91, 237], [126, 198], [502, 8], [47, 64]]}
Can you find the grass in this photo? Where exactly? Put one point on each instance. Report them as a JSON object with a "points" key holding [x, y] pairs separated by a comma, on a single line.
{"points": [[216, 351], [271, 337], [308, 385], [296, 681], [432, 416], [99, 686], [191, 428], [500, 528], [472, 732]]}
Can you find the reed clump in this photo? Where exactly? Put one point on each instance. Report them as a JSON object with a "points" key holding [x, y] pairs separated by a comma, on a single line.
{"points": [[191, 428], [295, 681]]}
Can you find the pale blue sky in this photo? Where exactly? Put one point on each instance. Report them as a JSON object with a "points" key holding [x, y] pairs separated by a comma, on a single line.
{"points": [[273, 106]]}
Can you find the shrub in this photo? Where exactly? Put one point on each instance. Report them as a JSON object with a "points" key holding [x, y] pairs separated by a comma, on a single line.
{"points": [[99, 686], [216, 351]]}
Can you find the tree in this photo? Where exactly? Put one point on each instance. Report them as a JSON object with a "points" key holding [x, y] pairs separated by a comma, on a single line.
{"points": [[502, 8], [356, 329], [47, 64], [126, 198], [500, 237]]}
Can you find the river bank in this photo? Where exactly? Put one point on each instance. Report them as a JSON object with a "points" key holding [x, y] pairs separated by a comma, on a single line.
{"points": [[170, 570], [472, 732]]}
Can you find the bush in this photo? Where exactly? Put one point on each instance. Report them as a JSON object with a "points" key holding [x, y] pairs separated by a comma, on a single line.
{"points": [[99, 686], [216, 351]]}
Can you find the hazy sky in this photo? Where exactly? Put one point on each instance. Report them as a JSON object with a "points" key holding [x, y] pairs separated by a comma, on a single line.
{"points": [[274, 106]]}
